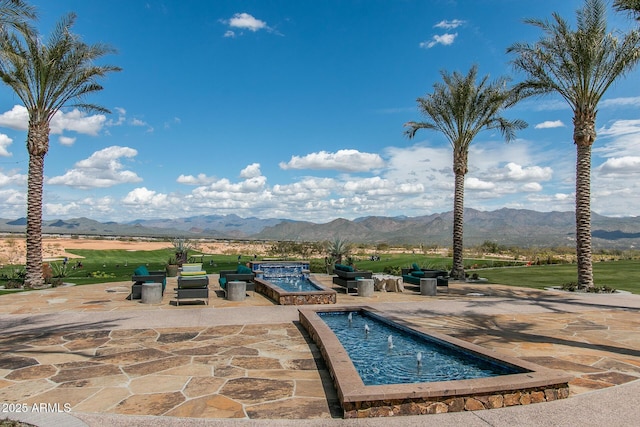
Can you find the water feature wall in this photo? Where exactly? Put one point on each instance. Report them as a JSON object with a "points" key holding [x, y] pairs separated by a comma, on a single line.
{"points": [[266, 270], [534, 384]]}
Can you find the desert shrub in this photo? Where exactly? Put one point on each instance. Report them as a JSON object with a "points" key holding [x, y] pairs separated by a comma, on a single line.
{"points": [[393, 270]]}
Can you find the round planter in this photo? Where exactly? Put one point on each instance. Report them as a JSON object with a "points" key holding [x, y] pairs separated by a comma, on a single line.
{"points": [[172, 270]]}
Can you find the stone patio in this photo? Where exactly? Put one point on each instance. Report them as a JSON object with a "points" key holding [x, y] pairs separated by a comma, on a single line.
{"points": [[91, 349]]}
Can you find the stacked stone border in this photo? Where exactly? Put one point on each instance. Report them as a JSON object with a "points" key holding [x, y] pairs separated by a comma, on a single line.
{"points": [[282, 297]]}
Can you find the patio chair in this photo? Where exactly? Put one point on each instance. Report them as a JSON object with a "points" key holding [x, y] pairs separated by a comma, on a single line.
{"points": [[193, 283], [143, 275]]}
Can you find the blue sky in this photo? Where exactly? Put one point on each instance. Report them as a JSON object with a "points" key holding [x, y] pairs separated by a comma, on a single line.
{"points": [[295, 109]]}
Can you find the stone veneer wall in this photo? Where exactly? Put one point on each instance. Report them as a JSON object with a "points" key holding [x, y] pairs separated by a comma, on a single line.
{"points": [[454, 404]]}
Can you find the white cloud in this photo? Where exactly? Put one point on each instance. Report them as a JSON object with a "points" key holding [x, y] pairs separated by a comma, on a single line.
{"points": [[17, 118], [12, 178], [66, 140], [342, 160], [201, 179], [448, 25], [621, 127], [102, 169], [5, 141], [473, 183], [550, 124], [246, 21], [142, 196], [629, 165], [251, 171], [444, 39], [515, 172], [75, 120], [620, 102], [532, 187]]}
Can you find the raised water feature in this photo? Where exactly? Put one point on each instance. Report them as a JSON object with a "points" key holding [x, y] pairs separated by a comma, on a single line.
{"points": [[384, 367], [289, 283]]}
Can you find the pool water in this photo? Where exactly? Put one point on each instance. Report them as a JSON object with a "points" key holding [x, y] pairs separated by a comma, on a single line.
{"points": [[292, 283], [386, 354]]}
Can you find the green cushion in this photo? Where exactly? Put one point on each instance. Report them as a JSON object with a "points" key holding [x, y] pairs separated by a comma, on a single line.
{"points": [[223, 282], [417, 273], [141, 271], [415, 267], [243, 269], [193, 273]]}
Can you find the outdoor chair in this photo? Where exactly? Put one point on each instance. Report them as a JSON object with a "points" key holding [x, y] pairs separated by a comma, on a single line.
{"points": [[143, 275]]}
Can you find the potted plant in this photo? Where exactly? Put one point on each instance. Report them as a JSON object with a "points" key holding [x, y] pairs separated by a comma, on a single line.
{"points": [[181, 247], [172, 267]]}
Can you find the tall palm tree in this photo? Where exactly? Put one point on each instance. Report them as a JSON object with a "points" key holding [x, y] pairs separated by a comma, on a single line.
{"points": [[631, 6], [579, 65], [460, 108], [47, 77], [14, 13]]}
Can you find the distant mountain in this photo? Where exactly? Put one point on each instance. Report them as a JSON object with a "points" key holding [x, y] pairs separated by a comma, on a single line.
{"points": [[510, 227]]}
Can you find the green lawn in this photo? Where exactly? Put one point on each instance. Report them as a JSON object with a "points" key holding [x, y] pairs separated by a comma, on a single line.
{"points": [[100, 266], [622, 275]]}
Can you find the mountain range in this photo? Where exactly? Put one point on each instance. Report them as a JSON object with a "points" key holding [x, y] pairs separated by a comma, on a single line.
{"points": [[509, 227]]}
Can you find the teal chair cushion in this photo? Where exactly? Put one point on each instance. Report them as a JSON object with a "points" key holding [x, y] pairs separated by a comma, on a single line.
{"points": [[415, 267], [141, 271], [417, 273], [223, 282], [243, 269]]}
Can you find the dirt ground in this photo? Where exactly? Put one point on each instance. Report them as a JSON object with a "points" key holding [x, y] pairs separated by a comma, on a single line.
{"points": [[13, 250]]}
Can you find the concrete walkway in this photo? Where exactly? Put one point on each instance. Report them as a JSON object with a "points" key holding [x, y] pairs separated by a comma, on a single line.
{"points": [[116, 362]]}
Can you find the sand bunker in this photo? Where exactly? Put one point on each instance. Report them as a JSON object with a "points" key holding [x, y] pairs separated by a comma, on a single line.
{"points": [[13, 250]]}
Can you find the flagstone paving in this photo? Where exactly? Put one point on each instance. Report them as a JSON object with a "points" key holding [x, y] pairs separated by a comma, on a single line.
{"points": [[247, 368]]}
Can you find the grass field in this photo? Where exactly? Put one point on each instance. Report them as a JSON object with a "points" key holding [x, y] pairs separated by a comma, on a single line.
{"points": [[101, 266]]}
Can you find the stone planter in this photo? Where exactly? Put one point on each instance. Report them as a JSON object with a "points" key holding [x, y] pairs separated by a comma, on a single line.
{"points": [[172, 270]]}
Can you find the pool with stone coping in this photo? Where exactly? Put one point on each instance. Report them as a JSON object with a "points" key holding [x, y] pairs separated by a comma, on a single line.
{"points": [[268, 275], [530, 384]]}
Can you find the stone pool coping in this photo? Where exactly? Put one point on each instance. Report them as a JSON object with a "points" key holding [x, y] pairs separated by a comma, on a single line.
{"points": [[539, 384]]}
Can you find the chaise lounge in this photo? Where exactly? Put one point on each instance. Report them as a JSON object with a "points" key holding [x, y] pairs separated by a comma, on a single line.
{"points": [[143, 275], [347, 276], [415, 273]]}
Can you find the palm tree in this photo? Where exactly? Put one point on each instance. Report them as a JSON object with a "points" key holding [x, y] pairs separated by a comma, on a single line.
{"points": [[14, 13], [580, 66], [47, 77], [631, 6], [460, 108], [338, 249]]}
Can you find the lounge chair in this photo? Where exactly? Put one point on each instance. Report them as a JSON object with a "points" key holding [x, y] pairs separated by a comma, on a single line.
{"points": [[193, 283], [347, 276], [240, 274], [415, 273], [143, 275]]}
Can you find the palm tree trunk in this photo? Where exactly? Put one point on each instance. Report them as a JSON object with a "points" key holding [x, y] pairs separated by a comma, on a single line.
{"points": [[457, 271], [583, 215], [37, 145]]}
